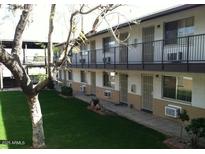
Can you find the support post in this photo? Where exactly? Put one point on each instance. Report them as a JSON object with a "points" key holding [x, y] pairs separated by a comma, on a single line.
{"points": [[45, 59], [162, 54], [188, 54], [114, 58], [1, 77]]}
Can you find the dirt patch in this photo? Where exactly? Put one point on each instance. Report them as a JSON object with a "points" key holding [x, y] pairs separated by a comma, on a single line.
{"points": [[101, 112], [61, 95], [176, 143]]}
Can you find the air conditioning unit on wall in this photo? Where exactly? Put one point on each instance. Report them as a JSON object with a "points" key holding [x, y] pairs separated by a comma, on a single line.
{"points": [[172, 111], [107, 93], [83, 88], [69, 84], [176, 56], [82, 61], [107, 60]]}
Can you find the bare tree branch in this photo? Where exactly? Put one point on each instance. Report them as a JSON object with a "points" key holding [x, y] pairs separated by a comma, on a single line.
{"points": [[41, 85], [44, 83], [89, 11], [50, 44], [77, 41], [114, 34], [17, 70], [17, 43]]}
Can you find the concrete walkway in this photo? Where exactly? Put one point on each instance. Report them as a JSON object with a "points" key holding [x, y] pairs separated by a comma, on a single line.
{"points": [[162, 125], [11, 89]]}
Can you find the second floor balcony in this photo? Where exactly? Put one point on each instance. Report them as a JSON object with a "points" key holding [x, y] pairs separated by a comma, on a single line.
{"points": [[186, 54], [34, 60]]}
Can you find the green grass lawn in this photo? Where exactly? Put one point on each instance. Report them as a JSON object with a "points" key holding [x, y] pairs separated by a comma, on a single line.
{"points": [[68, 124]]}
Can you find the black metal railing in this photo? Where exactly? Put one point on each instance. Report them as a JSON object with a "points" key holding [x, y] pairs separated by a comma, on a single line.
{"points": [[33, 60], [181, 50]]}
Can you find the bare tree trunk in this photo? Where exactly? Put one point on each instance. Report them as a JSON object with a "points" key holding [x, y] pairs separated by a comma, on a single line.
{"points": [[37, 122]]}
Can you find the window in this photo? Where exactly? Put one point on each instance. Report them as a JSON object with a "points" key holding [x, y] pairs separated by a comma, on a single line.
{"points": [[83, 76], [108, 43], [179, 88], [171, 33], [179, 28], [108, 79], [70, 75], [169, 87]]}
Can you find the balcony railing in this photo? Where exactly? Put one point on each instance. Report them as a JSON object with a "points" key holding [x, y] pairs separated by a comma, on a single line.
{"points": [[180, 54], [34, 60]]}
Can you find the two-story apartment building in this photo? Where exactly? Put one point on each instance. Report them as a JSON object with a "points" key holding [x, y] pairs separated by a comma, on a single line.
{"points": [[32, 57], [161, 69]]}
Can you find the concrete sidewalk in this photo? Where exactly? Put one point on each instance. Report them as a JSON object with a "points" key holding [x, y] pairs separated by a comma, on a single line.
{"points": [[12, 89], [162, 125]]}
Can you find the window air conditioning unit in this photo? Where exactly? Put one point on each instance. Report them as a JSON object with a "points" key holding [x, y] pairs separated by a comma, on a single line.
{"points": [[172, 111], [176, 56], [82, 88], [107, 93], [69, 84], [107, 60], [82, 61]]}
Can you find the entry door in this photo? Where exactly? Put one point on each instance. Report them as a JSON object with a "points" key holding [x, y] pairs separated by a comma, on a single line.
{"points": [[123, 49], [147, 92], [93, 83], [148, 47], [123, 87], [93, 52]]}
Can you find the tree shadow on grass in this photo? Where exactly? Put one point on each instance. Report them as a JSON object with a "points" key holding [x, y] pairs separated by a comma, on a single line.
{"points": [[68, 124]]}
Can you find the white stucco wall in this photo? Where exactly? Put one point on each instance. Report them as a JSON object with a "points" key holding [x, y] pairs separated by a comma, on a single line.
{"points": [[76, 75], [134, 79], [99, 78], [135, 52], [198, 96]]}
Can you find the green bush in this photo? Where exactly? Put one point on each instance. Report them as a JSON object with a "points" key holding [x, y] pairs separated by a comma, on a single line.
{"points": [[50, 85], [183, 116], [67, 91], [196, 129]]}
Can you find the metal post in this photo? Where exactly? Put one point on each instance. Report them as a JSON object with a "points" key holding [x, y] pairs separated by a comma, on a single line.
{"points": [[162, 54], [1, 77], [143, 56], [76, 60], [104, 58], [88, 58], [114, 57], [188, 53], [45, 61], [127, 56]]}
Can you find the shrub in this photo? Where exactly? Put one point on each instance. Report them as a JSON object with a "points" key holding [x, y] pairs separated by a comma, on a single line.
{"points": [[50, 85], [196, 129], [95, 101], [67, 91], [183, 116]]}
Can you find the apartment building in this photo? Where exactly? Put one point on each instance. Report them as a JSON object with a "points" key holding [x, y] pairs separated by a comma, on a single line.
{"points": [[159, 69], [32, 57]]}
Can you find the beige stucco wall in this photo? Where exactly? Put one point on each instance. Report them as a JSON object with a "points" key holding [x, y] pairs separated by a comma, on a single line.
{"points": [[195, 109], [135, 100], [114, 94], [198, 87], [193, 112]]}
